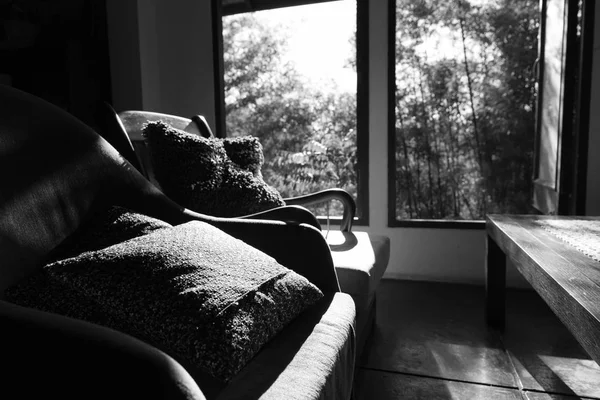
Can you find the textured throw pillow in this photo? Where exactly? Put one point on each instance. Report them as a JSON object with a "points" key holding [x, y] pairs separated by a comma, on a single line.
{"points": [[104, 228], [245, 152], [219, 177], [202, 296]]}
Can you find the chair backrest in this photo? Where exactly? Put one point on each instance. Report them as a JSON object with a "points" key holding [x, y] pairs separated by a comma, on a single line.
{"points": [[124, 131], [54, 170], [112, 130]]}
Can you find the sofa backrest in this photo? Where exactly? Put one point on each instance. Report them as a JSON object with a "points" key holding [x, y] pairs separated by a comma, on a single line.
{"points": [[53, 170]]}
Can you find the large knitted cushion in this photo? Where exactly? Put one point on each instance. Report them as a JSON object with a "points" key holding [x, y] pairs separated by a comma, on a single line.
{"points": [[219, 177], [105, 227], [207, 299]]}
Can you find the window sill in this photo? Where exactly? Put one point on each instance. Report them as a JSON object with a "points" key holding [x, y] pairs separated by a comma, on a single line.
{"points": [[413, 223]]}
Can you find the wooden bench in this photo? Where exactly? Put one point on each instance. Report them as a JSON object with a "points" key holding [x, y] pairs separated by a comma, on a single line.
{"points": [[565, 278]]}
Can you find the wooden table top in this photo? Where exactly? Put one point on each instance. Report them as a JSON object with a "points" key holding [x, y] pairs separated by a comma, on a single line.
{"points": [[567, 279], [529, 238]]}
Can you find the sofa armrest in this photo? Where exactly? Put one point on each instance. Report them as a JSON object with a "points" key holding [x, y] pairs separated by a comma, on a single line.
{"points": [[326, 195], [299, 247], [146, 198], [50, 356], [293, 214]]}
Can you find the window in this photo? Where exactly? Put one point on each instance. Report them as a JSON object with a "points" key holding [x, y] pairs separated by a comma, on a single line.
{"points": [[463, 109], [291, 78], [565, 71]]}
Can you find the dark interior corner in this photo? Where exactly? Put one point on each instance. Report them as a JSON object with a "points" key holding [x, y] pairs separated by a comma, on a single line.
{"points": [[57, 50]]}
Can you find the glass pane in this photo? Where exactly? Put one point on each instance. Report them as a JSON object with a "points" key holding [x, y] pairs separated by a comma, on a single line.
{"points": [[552, 87], [465, 107], [290, 80]]}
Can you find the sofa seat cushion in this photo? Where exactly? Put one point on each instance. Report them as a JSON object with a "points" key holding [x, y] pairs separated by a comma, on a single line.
{"points": [[312, 358], [360, 260], [205, 298]]}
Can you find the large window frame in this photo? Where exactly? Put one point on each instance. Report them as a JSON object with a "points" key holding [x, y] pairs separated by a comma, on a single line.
{"points": [[565, 193], [393, 221], [570, 171], [229, 7]]}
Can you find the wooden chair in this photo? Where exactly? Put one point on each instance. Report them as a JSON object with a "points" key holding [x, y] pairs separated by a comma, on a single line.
{"points": [[124, 131]]}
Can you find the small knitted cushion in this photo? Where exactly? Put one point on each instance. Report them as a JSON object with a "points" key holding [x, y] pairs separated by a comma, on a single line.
{"points": [[206, 298], [245, 152], [219, 177]]}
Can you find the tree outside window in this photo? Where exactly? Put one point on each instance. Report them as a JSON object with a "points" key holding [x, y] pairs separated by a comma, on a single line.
{"points": [[464, 107], [290, 79]]}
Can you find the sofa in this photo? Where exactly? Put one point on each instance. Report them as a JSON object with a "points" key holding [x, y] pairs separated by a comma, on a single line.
{"points": [[56, 173]]}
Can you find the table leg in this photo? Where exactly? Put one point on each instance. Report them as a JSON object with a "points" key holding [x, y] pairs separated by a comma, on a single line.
{"points": [[495, 285]]}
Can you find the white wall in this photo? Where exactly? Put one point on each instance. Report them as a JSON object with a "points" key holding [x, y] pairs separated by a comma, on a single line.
{"points": [[124, 50], [161, 56]]}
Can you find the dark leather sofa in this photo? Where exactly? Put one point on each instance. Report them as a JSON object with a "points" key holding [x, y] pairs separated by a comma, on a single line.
{"points": [[54, 172]]}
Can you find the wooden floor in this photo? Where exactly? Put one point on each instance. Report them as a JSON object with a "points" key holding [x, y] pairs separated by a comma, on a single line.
{"points": [[430, 342]]}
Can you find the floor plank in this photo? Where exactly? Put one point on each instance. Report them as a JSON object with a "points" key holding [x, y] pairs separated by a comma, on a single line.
{"points": [[385, 385], [436, 330], [431, 341], [545, 354], [548, 396]]}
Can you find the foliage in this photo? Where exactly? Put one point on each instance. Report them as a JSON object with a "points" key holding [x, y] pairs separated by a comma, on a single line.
{"points": [[464, 109], [308, 136], [464, 106]]}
